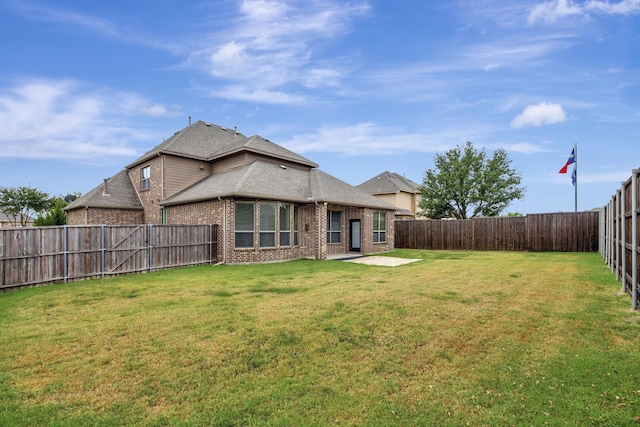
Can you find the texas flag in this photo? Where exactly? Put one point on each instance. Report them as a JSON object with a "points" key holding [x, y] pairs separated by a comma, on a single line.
{"points": [[572, 159]]}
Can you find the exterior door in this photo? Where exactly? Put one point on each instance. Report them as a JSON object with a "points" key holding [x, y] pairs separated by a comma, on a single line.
{"points": [[354, 235]]}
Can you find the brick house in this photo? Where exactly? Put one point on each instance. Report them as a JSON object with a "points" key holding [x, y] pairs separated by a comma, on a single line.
{"points": [[270, 204], [397, 190]]}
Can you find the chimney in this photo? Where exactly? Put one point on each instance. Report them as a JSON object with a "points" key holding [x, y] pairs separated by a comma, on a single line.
{"points": [[189, 120], [104, 187]]}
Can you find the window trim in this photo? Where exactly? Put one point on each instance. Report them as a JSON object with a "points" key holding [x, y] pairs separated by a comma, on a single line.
{"points": [[266, 232], [296, 220], [332, 232], [145, 178], [379, 233], [251, 231], [286, 230]]}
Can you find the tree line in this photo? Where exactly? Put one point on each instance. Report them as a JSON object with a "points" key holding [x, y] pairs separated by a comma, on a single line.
{"points": [[22, 205]]}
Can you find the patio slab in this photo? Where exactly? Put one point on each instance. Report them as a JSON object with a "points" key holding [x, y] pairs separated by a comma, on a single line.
{"points": [[385, 261]]}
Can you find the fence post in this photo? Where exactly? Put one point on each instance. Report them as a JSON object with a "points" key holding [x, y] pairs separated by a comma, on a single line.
{"points": [[64, 253], [150, 246], [610, 234], [623, 237], [618, 240], [634, 238], [102, 252]]}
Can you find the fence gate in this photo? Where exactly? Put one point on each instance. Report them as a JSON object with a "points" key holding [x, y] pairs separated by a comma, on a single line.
{"points": [[126, 249]]}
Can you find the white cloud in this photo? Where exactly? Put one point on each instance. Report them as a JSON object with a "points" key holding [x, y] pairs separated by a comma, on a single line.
{"points": [[525, 148], [275, 43], [539, 114], [251, 94], [63, 119], [551, 11], [371, 139]]}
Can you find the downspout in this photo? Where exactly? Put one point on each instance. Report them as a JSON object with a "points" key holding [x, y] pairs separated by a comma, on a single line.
{"points": [[224, 230]]}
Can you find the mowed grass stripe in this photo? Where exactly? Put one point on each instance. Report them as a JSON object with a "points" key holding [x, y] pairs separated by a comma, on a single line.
{"points": [[484, 338]]}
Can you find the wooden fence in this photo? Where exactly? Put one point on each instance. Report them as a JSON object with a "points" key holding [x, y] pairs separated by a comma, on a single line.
{"points": [[557, 232], [619, 235], [32, 256]]}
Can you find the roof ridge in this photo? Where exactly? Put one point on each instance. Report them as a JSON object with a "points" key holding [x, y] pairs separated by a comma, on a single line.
{"points": [[246, 176]]}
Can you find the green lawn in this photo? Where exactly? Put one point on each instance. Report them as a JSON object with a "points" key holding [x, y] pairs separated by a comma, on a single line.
{"points": [[459, 338]]}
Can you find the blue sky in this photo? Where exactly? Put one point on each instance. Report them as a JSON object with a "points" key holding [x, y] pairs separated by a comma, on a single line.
{"points": [[358, 87]]}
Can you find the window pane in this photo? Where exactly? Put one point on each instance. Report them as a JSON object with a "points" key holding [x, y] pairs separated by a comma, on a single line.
{"points": [[295, 226], [244, 240], [267, 240], [267, 217], [145, 178], [285, 217], [383, 221], [285, 238], [335, 220], [244, 216], [334, 224]]}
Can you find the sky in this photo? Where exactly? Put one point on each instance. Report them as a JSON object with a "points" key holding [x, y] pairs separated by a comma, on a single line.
{"points": [[359, 87]]}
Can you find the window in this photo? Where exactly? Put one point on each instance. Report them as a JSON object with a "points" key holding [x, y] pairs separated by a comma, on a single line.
{"points": [[296, 214], [145, 178], [379, 226], [334, 222], [267, 225], [164, 216], [285, 225], [244, 224]]}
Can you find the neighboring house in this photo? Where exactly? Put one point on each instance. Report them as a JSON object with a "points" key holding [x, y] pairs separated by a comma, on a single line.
{"points": [[396, 190], [269, 203], [6, 222]]}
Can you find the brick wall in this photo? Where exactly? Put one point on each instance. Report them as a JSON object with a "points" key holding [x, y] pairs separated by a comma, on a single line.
{"points": [[150, 198], [82, 216]]}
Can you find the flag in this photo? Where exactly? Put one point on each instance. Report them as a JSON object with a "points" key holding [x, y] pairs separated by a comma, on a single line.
{"points": [[572, 159], [574, 177]]}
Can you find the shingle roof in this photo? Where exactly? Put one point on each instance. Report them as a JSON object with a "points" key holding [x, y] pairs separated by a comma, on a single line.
{"points": [[389, 182], [120, 194], [266, 180], [206, 141]]}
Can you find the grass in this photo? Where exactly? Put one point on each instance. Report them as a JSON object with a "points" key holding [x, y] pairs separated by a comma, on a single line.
{"points": [[460, 338]]}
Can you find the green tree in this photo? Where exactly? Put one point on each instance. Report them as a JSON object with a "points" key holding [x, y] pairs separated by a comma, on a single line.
{"points": [[466, 183], [55, 215], [22, 204]]}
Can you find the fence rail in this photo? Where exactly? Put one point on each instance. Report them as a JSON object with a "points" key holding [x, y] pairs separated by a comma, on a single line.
{"points": [[619, 236], [557, 232], [32, 256]]}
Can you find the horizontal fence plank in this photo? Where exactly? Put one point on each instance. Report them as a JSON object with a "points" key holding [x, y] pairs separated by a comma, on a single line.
{"points": [[557, 232], [39, 255]]}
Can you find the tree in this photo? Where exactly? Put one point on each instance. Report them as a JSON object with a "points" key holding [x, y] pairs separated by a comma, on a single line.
{"points": [[55, 214], [466, 183], [22, 203]]}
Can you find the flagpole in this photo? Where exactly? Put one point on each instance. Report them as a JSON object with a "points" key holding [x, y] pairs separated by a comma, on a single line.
{"points": [[575, 174]]}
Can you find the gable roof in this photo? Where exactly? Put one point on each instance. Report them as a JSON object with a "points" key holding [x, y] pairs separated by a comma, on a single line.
{"points": [[389, 182], [265, 180], [206, 141], [120, 194]]}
